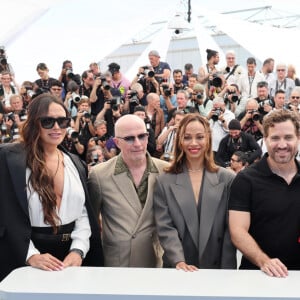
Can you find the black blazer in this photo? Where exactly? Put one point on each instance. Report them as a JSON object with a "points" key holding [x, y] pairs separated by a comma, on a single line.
{"points": [[15, 227]]}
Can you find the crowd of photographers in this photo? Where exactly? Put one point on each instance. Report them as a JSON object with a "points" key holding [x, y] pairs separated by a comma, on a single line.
{"points": [[233, 98]]}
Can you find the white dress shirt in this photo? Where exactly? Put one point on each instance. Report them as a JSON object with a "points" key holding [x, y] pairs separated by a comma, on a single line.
{"points": [[72, 208]]}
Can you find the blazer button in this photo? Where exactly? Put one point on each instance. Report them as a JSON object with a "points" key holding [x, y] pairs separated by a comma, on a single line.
{"points": [[133, 236]]}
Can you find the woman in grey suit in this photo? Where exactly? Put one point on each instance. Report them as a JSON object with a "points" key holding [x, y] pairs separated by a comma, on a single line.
{"points": [[190, 203]]}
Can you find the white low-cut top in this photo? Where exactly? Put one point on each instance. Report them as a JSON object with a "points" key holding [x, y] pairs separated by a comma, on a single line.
{"points": [[72, 208]]}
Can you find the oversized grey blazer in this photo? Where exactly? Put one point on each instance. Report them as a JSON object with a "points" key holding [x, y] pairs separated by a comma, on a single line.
{"points": [[128, 231], [175, 211]]}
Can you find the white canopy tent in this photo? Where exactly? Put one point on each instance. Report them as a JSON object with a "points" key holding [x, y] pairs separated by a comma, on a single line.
{"points": [[52, 31]]}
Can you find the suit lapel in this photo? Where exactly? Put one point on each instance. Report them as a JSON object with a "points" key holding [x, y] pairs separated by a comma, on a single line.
{"points": [[17, 170], [183, 193], [126, 187], [211, 197]]}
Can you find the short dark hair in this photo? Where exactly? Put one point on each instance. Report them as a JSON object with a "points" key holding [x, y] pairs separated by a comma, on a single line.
{"points": [[262, 84], [188, 66], [279, 92], [211, 53], [279, 116], [55, 83], [242, 157], [251, 61], [177, 71]]}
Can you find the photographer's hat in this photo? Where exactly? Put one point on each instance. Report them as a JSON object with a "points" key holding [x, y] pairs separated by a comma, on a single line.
{"points": [[234, 125]]}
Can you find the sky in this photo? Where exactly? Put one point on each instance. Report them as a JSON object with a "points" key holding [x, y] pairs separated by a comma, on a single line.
{"points": [[86, 31]]}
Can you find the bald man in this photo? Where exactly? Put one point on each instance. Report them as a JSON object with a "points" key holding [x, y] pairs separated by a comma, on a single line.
{"points": [[121, 191]]}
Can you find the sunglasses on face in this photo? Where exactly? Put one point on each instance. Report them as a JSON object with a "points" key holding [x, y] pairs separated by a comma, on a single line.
{"points": [[48, 122], [295, 97], [131, 138]]}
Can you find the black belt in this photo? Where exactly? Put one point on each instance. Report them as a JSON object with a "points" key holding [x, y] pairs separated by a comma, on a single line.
{"points": [[46, 241]]}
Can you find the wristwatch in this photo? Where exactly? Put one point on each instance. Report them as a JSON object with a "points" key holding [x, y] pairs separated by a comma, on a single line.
{"points": [[78, 251]]}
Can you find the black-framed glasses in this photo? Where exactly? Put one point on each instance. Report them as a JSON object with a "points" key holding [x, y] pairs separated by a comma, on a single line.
{"points": [[48, 122], [131, 138]]}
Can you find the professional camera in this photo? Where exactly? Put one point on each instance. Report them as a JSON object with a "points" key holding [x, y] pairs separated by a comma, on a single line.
{"points": [[216, 82], [263, 103], [72, 133], [133, 98], [86, 114], [287, 106], [216, 113], [255, 114], [115, 102], [148, 72], [234, 97], [104, 83], [10, 116], [199, 96], [75, 97], [99, 138], [166, 90]]}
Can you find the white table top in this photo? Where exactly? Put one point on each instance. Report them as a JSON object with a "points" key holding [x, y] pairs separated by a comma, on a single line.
{"points": [[116, 283]]}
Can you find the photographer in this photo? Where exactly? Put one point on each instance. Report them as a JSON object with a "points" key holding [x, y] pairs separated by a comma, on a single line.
{"points": [[94, 156], [166, 140], [167, 100], [26, 91], [251, 119], [12, 121], [141, 113], [233, 99], [8, 88], [45, 80], [209, 75], [145, 77], [199, 101], [111, 112], [72, 98], [66, 75], [4, 65], [155, 114], [263, 98], [119, 81], [83, 126], [178, 81], [103, 140], [56, 89], [219, 118], [102, 91], [237, 140], [135, 96], [161, 69]]}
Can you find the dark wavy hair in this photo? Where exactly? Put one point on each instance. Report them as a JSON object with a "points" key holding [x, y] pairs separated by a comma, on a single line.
{"points": [[179, 155], [40, 177]]}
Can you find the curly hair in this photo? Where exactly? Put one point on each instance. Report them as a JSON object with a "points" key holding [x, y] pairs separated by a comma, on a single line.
{"points": [[179, 155], [40, 178]]}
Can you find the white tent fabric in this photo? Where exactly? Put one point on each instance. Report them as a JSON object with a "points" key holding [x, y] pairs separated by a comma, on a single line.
{"points": [[263, 41], [204, 38], [52, 31], [159, 43]]}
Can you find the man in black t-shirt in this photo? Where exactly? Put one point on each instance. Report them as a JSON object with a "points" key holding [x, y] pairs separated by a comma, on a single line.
{"points": [[264, 205]]}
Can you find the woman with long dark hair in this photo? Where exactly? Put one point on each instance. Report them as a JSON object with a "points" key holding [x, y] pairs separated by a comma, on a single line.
{"points": [[190, 203], [45, 215]]}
